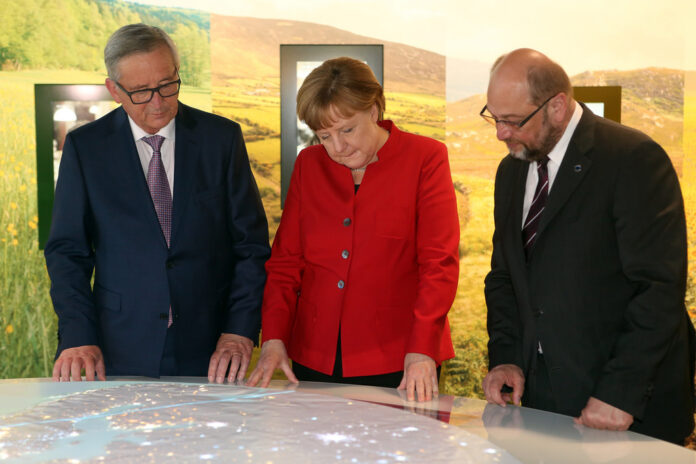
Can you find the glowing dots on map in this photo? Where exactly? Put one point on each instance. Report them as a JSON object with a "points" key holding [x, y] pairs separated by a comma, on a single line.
{"points": [[216, 425], [329, 438]]}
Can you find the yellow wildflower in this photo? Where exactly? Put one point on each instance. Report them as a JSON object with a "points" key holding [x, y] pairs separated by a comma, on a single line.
{"points": [[22, 188], [13, 205], [32, 225], [14, 242], [9, 329], [35, 218]]}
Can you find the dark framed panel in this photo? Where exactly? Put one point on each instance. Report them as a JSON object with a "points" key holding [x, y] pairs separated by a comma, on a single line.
{"points": [[604, 101], [60, 108], [296, 61]]}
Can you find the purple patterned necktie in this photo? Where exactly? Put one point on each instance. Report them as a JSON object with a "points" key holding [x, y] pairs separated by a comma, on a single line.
{"points": [[159, 190], [541, 193], [159, 186]]}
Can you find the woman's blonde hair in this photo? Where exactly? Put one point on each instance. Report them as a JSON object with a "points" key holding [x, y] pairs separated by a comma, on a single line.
{"points": [[345, 85]]}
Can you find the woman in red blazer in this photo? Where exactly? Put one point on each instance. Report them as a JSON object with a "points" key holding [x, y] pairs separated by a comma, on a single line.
{"points": [[364, 265]]}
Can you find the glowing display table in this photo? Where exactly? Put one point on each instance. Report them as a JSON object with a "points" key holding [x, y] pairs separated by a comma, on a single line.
{"points": [[189, 420]]}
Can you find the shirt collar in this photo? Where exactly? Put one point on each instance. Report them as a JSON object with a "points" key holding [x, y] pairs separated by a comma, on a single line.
{"points": [[138, 133], [556, 155]]}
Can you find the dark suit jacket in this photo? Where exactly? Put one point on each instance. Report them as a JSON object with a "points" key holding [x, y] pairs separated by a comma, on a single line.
{"points": [[603, 290], [104, 221]]}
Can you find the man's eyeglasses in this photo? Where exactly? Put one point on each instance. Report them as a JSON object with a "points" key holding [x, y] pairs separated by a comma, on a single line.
{"points": [[142, 96], [512, 125]]}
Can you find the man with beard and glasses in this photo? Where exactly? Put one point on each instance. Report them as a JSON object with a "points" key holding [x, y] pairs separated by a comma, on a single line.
{"points": [[585, 296]]}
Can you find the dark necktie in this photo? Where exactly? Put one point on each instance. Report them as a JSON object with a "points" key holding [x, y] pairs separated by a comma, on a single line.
{"points": [[159, 186], [541, 193], [161, 194]]}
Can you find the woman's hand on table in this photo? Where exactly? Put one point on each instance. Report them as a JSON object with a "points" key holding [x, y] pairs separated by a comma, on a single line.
{"points": [[420, 377], [273, 356]]}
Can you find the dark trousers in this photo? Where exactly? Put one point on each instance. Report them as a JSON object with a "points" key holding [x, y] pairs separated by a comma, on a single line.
{"points": [[538, 393]]}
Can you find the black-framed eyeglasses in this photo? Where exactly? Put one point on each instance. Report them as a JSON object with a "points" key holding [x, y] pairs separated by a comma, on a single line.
{"points": [[513, 125], [142, 96]]}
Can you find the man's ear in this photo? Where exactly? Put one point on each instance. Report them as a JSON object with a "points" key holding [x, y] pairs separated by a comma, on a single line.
{"points": [[558, 107], [111, 87]]}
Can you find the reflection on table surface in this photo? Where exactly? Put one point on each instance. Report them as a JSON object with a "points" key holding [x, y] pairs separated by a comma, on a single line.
{"points": [[526, 434], [530, 435]]}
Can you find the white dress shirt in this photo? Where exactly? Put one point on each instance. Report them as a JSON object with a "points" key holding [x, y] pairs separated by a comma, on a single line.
{"points": [[555, 158]]}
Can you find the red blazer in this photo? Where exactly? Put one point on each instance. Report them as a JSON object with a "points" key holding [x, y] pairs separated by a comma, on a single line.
{"points": [[381, 264]]}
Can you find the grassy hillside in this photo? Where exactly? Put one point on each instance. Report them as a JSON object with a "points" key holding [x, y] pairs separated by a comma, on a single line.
{"points": [[652, 101]]}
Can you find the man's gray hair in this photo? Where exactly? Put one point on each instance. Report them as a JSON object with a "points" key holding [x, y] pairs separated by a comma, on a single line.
{"points": [[135, 38]]}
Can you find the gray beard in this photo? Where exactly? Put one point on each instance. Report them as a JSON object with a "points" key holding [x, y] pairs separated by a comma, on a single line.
{"points": [[537, 154]]}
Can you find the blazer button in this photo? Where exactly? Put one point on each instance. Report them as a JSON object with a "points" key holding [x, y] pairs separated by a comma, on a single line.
{"points": [[341, 284], [163, 315], [345, 254], [170, 265], [346, 222]]}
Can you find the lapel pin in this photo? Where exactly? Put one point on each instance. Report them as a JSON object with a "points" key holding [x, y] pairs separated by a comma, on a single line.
{"points": [[577, 168]]}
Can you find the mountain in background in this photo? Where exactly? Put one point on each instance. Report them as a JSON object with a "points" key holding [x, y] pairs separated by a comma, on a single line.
{"points": [[250, 48]]}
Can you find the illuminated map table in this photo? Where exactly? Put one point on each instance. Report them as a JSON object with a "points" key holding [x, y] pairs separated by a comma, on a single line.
{"points": [[149, 421], [189, 420]]}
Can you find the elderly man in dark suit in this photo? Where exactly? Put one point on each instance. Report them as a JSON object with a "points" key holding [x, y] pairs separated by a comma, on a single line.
{"points": [[585, 296], [157, 200]]}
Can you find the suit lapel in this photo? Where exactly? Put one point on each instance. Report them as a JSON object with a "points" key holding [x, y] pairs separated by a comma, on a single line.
{"points": [[572, 171], [186, 154], [126, 167], [517, 205], [513, 213]]}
